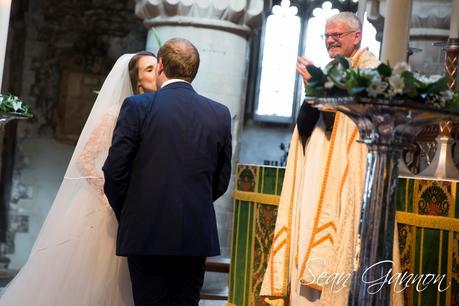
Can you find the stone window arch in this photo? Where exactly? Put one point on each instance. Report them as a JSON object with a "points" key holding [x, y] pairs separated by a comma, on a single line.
{"points": [[279, 89]]}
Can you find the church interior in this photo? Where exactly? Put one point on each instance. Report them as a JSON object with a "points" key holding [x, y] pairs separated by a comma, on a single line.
{"points": [[58, 53]]}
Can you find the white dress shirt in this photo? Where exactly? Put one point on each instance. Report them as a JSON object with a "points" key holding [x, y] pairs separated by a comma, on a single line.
{"points": [[173, 81]]}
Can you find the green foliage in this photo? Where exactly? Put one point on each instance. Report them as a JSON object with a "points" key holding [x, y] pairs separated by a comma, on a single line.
{"points": [[317, 75], [410, 88], [454, 102], [339, 79], [342, 61], [12, 104], [384, 70]]}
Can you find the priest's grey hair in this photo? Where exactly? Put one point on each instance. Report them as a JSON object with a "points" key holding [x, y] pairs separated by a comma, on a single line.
{"points": [[349, 18]]}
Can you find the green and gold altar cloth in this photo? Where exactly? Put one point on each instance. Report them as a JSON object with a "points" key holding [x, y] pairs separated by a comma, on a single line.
{"points": [[428, 224], [256, 197]]}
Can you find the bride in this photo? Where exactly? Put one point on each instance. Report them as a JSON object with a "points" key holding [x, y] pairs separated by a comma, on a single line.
{"points": [[73, 260]]}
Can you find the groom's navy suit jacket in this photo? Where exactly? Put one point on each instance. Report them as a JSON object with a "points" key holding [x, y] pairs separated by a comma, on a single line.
{"points": [[170, 159]]}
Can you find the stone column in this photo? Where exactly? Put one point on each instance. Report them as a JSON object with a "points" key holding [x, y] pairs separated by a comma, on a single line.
{"points": [[362, 8], [396, 31], [429, 25], [5, 8], [454, 24], [220, 30]]}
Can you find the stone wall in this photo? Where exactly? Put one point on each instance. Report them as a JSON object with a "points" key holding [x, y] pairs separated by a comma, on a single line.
{"points": [[429, 25], [48, 40], [261, 143]]}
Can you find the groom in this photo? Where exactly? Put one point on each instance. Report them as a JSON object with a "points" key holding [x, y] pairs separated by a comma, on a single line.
{"points": [[170, 159]]}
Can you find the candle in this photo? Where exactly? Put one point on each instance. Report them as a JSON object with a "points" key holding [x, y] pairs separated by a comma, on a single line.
{"points": [[5, 7], [454, 24]]}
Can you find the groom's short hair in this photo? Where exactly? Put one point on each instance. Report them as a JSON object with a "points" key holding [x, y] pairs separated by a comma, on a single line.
{"points": [[180, 59]]}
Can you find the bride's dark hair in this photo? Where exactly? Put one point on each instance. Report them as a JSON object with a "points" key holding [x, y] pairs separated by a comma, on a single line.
{"points": [[134, 69]]}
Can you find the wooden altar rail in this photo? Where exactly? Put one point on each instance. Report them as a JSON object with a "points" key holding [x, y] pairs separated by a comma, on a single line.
{"points": [[217, 264]]}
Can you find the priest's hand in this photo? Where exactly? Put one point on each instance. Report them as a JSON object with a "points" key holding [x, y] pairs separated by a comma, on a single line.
{"points": [[301, 66]]}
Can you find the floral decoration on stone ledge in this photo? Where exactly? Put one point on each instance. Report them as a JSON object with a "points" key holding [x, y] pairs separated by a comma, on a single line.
{"points": [[393, 84], [13, 104]]}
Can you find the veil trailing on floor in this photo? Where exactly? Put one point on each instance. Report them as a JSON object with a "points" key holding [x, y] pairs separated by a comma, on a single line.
{"points": [[73, 260]]}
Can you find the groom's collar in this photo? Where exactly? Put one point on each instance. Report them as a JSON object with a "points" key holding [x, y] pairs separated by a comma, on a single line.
{"points": [[173, 81]]}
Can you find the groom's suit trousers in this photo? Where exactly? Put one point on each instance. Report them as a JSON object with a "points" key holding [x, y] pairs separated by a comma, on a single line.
{"points": [[166, 280]]}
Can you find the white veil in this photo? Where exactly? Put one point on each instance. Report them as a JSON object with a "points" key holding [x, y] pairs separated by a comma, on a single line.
{"points": [[73, 260], [100, 123]]}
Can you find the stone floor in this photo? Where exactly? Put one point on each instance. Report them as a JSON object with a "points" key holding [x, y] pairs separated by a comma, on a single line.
{"points": [[201, 303], [211, 282]]}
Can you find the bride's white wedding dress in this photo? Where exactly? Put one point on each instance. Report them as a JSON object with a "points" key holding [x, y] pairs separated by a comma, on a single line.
{"points": [[73, 261]]}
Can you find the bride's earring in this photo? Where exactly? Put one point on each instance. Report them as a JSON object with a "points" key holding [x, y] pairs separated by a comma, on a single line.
{"points": [[140, 89]]}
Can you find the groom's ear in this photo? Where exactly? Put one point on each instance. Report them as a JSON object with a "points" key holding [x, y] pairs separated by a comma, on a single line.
{"points": [[160, 67]]}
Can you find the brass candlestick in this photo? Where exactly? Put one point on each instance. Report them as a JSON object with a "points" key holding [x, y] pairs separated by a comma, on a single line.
{"points": [[451, 57], [443, 166]]}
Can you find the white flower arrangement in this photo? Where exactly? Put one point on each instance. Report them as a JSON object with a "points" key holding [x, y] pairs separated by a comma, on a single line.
{"points": [[13, 104], [384, 82]]}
